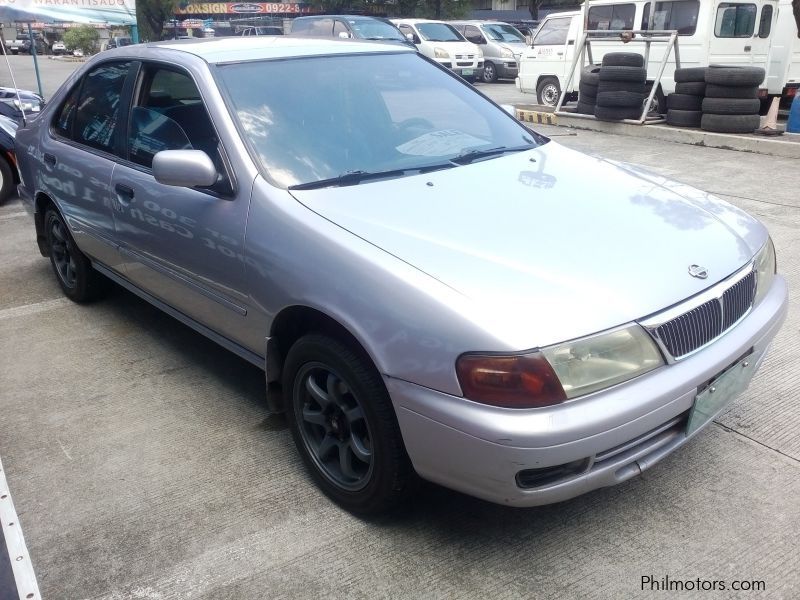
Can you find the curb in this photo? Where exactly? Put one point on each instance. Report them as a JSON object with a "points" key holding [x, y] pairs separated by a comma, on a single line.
{"points": [[537, 116], [788, 147]]}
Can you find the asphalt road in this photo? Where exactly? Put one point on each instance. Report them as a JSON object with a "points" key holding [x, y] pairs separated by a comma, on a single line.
{"points": [[143, 461]]}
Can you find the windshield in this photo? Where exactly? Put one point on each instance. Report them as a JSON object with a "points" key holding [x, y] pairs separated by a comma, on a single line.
{"points": [[375, 30], [369, 113], [504, 33], [439, 32]]}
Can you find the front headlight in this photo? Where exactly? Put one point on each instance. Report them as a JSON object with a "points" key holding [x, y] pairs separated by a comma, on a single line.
{"points": [[765, 266], [558, 373], [600, 361], [506, 53], [440, 53]]}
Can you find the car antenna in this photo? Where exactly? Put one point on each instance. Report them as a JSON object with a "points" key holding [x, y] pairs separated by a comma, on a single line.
{"points": [[13, 81]]}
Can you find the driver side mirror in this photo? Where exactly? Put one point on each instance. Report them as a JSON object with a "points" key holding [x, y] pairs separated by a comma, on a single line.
{"points": [[343, 35], [184, 168]]}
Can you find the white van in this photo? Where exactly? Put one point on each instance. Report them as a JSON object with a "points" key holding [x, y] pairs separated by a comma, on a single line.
{"points": [[441, 42], [784, 64], [709, 31]]}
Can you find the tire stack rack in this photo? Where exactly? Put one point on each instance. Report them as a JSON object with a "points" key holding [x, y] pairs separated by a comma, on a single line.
{"points": [[584, 50]]}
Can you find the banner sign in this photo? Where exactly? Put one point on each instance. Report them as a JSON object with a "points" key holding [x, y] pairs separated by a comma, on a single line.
{"points": [[242, 8], [112, 12]]}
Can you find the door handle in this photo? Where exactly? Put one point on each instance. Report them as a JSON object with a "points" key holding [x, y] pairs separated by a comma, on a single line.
{"points": [[560, 53], [748, 48], [124, 193], [49, 159]]}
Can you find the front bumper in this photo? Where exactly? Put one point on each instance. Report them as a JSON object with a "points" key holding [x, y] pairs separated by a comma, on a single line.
{"points": [[618, 433], [506, 69]]}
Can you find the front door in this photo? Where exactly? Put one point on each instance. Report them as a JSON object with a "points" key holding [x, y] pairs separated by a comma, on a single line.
{"points": [[181, 245], [548, 55]]}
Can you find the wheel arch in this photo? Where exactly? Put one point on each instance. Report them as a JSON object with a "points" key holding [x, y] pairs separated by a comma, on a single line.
{"points": [[41, 202], [289, 325]]}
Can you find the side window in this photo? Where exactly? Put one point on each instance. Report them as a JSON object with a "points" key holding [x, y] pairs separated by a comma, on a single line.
{"points": [[473, 35], [321, 28], [680, 15], [62, 124], [98, 112], [765, 26], [735, 20], [339, 27], [170, 115], [553, 32], [406, 29], [612, 16]]}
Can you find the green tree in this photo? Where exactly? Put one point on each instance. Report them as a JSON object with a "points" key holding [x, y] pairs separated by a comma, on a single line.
{"points": [[152, 14], [82, 38]]}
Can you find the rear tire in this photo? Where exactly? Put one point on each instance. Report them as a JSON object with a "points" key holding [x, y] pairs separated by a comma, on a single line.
{"points": [[731, 91], [613, 73], [6, 180], [74, 272], [736, 76], [344, 426], [690, 74]]}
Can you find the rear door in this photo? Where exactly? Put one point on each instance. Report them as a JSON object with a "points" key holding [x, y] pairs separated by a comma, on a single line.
{"points": [[738, 36], [182, 245], [78, 157]]}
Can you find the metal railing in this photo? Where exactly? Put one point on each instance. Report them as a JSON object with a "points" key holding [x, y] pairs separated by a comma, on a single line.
{"points": [[584, 49]]}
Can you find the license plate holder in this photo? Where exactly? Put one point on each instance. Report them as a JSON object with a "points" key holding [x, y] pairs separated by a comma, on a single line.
{"points": [[720, 392], [466, 72]]}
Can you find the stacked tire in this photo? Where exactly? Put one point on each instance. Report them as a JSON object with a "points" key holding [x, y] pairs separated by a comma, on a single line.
{"points": [[587, 90], [731, 104], [621, 87], [685, 106]]}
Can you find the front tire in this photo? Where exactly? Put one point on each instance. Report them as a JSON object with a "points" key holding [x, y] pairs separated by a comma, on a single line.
{"points": [[344, 426], [548, 92], [74, 273], [489, 72]]}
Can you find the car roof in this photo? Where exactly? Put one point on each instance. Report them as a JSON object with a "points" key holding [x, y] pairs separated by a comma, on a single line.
{"points": [[344, 17], [240, 49]]}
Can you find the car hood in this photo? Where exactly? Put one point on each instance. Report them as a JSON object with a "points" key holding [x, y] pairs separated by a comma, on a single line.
{"points": [[456, 47], [549, 244]]}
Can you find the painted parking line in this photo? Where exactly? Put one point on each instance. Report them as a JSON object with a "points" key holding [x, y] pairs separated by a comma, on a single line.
{"points": [[31, 309], [23, 583], [14, 215]]}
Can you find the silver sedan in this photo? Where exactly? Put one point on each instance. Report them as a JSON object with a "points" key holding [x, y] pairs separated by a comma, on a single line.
{"points": [[432, 289]]}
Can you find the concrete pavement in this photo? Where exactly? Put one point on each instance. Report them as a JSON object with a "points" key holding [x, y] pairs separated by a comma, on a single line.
{"points": [[144, 463]]}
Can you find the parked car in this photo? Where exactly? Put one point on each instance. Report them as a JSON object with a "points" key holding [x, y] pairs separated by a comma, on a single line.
{"points": [[15, 104], [502, 46], [441, 42], [118, 42], [8, 161], [335, 230], [261, 30], [23, 46], [349, 26], [59, 48]]}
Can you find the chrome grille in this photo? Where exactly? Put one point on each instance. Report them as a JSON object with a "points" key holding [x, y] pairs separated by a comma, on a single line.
{"points": [[702, 324], [691, 330], [737, 299]]}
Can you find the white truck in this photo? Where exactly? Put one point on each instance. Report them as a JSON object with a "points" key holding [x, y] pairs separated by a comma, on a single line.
{"points": [[784, 65], [709, 32]]}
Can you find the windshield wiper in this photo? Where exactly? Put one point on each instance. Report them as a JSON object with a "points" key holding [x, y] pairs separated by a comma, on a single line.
{"points": [[471, 156], [356, 177]]}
